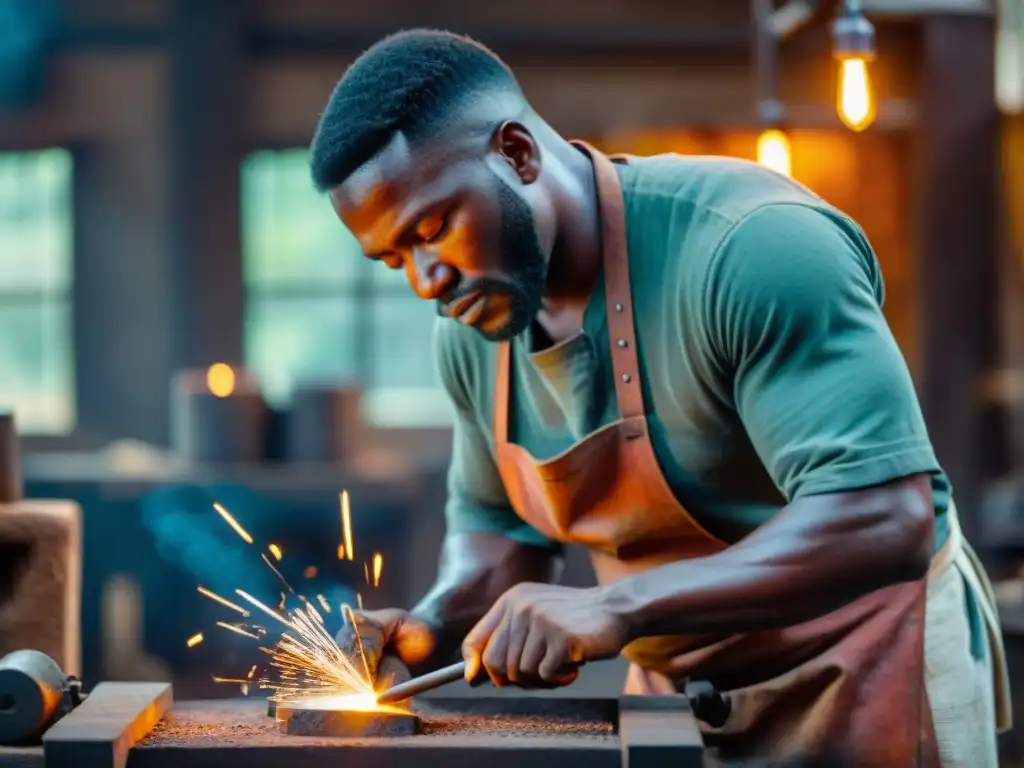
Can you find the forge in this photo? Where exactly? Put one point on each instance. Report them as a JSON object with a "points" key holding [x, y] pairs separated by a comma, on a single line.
{"points": [[138, 726]]}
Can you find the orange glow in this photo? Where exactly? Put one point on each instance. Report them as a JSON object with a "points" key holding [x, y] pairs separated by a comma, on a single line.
{"points": [[275, 551], [310, 572], [220, 379], [351, 702], [341, 551], [855, 101], [773, 152]]}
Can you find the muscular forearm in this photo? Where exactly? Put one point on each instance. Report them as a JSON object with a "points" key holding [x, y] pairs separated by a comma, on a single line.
{"points": [[816, 555], [475, 570]]}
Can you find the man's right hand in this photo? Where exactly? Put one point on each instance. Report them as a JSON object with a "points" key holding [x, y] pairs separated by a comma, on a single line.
{"points": [[388, 632]]}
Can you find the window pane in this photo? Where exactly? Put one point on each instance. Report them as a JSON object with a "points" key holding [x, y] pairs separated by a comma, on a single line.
{"points": [[290, 234], [406, 390], [296, 340], [36, 377], [35, 220]]}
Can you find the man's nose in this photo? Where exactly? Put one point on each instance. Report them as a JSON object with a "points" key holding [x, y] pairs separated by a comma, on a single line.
{"points": [[431, 279]]}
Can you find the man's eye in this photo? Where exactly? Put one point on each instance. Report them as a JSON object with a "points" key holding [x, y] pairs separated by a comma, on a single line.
{"points": [[434, 230]]}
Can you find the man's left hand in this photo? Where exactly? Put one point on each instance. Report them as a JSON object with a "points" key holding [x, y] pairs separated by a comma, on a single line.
{"points": [[538, 635]]}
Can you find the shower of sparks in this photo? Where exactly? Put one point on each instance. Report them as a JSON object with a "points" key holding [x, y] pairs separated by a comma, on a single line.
{"points": [[346, 526], [233, 523], [308, 662], [226, 603], [311, 663], [237, 630]]}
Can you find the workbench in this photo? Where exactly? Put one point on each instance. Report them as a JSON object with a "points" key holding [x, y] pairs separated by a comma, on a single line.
{"points": [[136, 725]]}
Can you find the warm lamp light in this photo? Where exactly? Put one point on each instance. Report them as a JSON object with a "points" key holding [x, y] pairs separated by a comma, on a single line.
{"points": [[773, 151], [853, 45], [855, 101], [220, 379]]}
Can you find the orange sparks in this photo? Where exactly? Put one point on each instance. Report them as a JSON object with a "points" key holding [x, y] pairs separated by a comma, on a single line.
{"points": [[275, 551], [229, 680], [323, 603], [218, 599], [378, 567], [237, 630], [359, 600], [232, 522], [310, 572], [251, 672], [366, 572], [341, 551], [269, 611], [195, 640], [346, 525]]}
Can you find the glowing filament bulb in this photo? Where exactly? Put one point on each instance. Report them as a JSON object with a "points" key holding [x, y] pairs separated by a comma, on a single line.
{"points": [[856, 101], [773, 152]]}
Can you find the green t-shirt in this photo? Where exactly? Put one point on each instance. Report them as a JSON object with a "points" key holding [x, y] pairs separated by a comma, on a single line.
{"points": [[769, 372]]}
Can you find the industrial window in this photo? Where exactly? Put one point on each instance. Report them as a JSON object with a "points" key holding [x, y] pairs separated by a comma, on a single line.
{"points": [[36, 358], [316, 311]]}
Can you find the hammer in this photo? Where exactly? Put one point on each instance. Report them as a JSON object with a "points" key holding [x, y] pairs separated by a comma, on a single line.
{"points": [[423, 683]]}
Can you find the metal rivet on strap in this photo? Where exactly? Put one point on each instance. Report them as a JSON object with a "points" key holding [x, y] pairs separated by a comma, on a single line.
{"points": [[622, 343], [626, 377], [618, 307]]}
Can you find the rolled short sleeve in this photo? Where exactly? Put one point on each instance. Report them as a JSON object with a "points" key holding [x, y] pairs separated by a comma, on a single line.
{"points": [[793, 307], [477, 502]]}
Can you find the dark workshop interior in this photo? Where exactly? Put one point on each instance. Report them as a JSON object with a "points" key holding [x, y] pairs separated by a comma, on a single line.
{"points": [[184, 323]]}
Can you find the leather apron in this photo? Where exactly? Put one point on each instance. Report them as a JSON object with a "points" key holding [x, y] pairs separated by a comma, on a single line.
{"points": [[845, 689]]}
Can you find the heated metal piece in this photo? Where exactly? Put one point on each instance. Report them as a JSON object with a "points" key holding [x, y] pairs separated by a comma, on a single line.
{"points": [[34, 693], [294, 719], [423, 683]]}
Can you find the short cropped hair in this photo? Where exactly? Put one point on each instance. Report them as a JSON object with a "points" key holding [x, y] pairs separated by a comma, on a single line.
{"points": [[412, 81]]}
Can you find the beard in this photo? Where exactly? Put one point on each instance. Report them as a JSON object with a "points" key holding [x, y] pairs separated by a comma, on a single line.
{"points": [[522, 259]]}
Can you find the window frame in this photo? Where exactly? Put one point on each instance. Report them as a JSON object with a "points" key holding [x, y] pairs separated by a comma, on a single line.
{"points": [[75, 438], [364, 291]]}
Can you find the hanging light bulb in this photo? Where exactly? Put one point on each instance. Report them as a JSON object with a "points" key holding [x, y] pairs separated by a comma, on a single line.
{"points": [[773, 151], [853, 41]]}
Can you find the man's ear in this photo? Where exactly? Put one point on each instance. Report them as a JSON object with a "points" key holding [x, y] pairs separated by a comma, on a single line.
{"points": [[516, 146]]}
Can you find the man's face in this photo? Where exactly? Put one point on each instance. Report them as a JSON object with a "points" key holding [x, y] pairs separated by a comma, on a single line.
{"points": [[464, 236]]}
